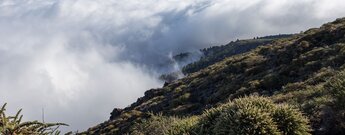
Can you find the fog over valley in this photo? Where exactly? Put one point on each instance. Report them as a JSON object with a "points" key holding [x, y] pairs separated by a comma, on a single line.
{"points": [[79, 59]]}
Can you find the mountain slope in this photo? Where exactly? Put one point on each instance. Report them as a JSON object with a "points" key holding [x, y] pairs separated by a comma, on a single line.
{"points": [[191, 62], [217, 53], [294, 70]]}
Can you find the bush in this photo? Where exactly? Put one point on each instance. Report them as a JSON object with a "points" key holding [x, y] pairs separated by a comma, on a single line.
{"points": [[181, 99], [336, 87], [260, 116], [244, 116], [207, 121], [247, 116], [290, 121], [163, 125], [155, 125], [13, 125]]}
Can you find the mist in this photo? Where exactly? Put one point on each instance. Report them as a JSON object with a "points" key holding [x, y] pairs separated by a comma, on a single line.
{"points": [[79, 59]]}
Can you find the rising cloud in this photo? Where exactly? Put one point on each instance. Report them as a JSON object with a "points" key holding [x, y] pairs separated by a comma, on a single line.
{"points": [[78, 59]]}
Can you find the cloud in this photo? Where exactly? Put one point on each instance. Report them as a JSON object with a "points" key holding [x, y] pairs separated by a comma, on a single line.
{"points": [[78, 59]]}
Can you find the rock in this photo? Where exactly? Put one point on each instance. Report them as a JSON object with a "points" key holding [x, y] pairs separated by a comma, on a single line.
{"points": [[166, 84], [115, 113]]}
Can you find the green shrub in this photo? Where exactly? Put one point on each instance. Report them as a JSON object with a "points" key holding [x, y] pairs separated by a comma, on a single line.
{"points": [[181, 99], [247, 116], [163, 125], [245, 121], [13, 125], [259, 116], [207, 121], [184, 126], [251, 115], [336, 87], [155, 125], [290, 121]]}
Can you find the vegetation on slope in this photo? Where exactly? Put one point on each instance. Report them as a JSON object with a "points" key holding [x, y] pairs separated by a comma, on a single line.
{"points": [[305, 71], [243, 116], [215, 54]]}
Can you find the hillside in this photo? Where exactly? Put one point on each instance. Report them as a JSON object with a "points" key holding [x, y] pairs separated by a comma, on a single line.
{"points": [[302, 71], [215, 54], [208, 56]]}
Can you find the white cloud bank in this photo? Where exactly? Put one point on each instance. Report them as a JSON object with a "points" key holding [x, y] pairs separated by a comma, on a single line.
{"points": [[78, 59]]}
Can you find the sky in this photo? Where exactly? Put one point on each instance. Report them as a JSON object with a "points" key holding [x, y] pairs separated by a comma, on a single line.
{"points": [[79, 59]]}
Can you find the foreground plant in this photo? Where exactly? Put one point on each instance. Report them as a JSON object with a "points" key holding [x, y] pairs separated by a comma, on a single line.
{"points": [[260, 116], [13, 125], [164, 125], [251, 115]]}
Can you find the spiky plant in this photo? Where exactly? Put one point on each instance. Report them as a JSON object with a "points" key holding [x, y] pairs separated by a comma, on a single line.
{"points": [[336, 87], [251, 115], [165, 125], [13, 125], [208, 120], [247, 116], [260, 116], [290, 121]]}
